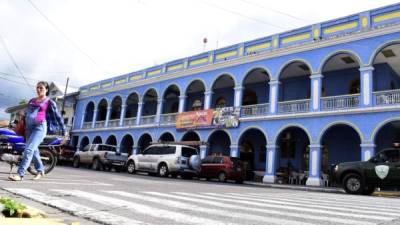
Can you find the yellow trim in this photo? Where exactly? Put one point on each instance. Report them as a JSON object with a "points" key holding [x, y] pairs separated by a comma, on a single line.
{"points": [[106, 84], [175, 67], [198, 61], [316, 33], [120, 81], [211, 58], [364, 21], [275, 42], [241, 51], [258, 47], [226, 54], [387, 16], [94, 88], [296, 38], [136, 77], [341, 27], [154, 72], [84, 91]]}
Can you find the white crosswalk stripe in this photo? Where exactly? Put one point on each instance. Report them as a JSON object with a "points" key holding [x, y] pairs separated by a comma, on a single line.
{"points": [[140, 208], [73, 208], [151, 207]]}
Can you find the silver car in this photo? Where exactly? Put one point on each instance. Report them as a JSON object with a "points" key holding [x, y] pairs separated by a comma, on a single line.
{"points": [[165, 160]]}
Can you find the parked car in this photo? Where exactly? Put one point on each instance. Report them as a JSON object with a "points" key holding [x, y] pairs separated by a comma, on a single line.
{"points": [[65, 154], [223, 168], [165, 160], [100, 156], [382, 170]]}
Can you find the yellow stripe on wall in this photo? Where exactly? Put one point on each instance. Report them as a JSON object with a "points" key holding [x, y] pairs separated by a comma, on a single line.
{"points": [[198, 61], [154, 72], [94, 88], [175, 67], [258, 47], [341, 27], [387, 16], [136, 77], [84, 91], [120, 81], [226, 54], [106, 84], [296, 38]]}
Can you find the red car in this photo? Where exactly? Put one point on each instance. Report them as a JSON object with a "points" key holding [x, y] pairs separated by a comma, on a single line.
{"points": [[223, 168]]}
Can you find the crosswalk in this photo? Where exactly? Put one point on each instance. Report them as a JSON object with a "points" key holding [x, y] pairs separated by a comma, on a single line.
{"points": [[150, 207]]}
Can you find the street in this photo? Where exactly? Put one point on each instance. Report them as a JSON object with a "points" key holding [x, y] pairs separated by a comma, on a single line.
{"points": [[121, 198]]}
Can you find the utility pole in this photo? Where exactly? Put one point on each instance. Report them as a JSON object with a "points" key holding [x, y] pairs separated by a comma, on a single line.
{"points": [[65, 94]]}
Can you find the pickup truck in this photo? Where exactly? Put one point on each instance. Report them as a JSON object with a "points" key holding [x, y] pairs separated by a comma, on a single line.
{"points": [[382, 170], [100, 156]]}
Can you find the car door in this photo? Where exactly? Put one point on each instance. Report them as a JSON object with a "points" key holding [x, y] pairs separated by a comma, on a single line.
{"points": [[83, 154], [381, 169], [145, 159], [206, 164], [393, 161]]}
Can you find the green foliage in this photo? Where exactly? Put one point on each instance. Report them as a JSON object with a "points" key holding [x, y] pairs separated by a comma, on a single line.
{"points": [[12, 206]]}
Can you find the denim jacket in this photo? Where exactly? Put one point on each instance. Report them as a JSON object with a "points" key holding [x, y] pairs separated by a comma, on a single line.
{"points": [[54, 120]]}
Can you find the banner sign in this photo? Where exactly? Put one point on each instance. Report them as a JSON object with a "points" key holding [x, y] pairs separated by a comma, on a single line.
{"points": [[227, 117]]}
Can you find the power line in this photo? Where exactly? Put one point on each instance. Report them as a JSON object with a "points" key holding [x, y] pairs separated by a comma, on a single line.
{"points": [[274, 10], [65, 36], [14, 62], [242, 15], [32, 79]]}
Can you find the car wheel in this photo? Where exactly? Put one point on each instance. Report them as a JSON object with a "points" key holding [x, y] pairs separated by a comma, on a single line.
{"points": [[96, 165], [368, 191], [352, 184], [131, 167], [75, 162], [222, 177], [162, 170]]}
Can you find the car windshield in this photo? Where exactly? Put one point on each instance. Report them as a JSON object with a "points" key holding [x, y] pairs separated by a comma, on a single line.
{"points": [[187, 152]]}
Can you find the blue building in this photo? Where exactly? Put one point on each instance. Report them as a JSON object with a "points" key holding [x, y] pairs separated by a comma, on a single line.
{"points": [[308, 98]]}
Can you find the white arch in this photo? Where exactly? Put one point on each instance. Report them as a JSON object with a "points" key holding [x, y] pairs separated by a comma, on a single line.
{"points": [[221, 75], [108, 137], [80, 143], [127, 134], [297, 125], [381, 125], [96, 137], [133, 92], [332, 54], [301, 60], [216, 130], [254, 68], [194, 80], [170, 85], [194, 131], [142, 134], [147, 90], [380, 48], [167, 131], [341, 122], [256, 128]]}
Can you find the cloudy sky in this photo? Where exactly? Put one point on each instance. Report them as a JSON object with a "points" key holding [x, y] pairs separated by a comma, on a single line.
{"points": [[90, 40]]}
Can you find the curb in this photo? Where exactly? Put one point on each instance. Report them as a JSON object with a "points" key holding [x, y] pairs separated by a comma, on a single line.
{"points": [[296, 187]]}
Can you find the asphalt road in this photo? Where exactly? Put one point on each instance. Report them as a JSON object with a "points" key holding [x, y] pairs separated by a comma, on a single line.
{"points": [[120, 198]]}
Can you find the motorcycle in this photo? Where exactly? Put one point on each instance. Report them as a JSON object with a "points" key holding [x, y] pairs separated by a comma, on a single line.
{"points": [[12, 147]]}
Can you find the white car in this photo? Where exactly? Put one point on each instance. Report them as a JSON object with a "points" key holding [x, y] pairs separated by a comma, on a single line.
{"points": [[166, 159]]}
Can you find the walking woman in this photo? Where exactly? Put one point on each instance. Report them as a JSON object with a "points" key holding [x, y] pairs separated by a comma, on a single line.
{"points": [[42, 115]]}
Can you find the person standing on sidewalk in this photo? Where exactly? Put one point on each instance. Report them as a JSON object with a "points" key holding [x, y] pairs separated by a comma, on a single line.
{"points": [[42, 116]]}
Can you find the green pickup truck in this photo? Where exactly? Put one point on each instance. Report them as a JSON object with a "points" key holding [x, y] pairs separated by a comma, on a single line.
{"points": [[382, 170]]}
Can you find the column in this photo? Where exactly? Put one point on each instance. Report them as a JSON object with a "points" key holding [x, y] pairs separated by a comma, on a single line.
{"points": [[314, 173], [203, 151], [121, 118], [367, 150], [207, 99], [94, 118], [139, 113], [270, 164], [316, 88], [238, 96], [273, 96], [366, 81], [135, 150], [108, 116], [235, 150], [83, 119], [159, 110], [182, 100]]}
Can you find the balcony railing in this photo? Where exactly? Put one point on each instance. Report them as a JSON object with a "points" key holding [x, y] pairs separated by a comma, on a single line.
{"points": [[147, 119], [169, 118], [340, 102], [100, 124], [387, 97], [87, 125], [295, 106], [113, 123], [130, 121], [254, 110]]}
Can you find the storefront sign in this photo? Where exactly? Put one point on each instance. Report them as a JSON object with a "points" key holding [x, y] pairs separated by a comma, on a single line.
{"points": [[227, 117]]}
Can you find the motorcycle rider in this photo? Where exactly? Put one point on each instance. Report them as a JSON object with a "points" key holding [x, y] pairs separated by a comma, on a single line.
{"points": [[42, 116]]}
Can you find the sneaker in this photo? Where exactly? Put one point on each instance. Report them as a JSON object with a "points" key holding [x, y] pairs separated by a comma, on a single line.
{"points": [[38, 176], [15, 178]]}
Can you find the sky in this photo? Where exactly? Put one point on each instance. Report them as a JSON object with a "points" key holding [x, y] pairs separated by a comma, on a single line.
{"points": [[92, 40]]}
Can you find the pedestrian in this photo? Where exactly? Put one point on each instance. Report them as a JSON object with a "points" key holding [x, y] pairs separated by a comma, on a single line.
{"points": [[41, 117]]}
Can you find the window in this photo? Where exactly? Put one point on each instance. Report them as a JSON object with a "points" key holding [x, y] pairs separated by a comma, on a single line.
{"points": [[389, 156], [168, 150], [187, 152], [151, 151], [218, 160], [86, 148], [106, 148]]}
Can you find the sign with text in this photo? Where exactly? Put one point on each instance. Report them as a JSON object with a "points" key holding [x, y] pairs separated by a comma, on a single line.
{"points": [[227, 117]]}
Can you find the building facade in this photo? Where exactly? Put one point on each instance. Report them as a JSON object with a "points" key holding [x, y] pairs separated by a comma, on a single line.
{"points": [[308, 98]]}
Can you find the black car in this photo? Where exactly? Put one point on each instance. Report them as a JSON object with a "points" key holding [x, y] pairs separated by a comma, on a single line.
{"points": [[382, 170]]}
